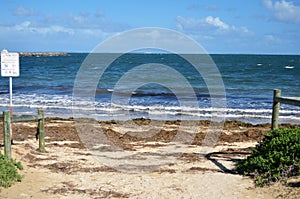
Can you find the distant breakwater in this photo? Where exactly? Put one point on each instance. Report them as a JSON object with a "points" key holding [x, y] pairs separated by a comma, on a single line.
{"points": [[42, 54]]}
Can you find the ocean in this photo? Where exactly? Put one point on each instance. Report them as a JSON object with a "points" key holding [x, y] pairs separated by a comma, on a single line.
{"points": [[249, 81]]}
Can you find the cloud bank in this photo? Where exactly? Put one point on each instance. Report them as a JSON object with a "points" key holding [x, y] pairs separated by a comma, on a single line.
{"points": [[40, 30], [284, 11]]}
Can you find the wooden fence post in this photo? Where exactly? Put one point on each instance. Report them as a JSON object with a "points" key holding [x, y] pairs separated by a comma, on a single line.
{"points": [[6, 131], [41, 129], [276, 107]]}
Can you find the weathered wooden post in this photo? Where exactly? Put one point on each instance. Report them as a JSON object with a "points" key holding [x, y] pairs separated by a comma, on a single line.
{"points": [[6, 131], [41, 129], [276, 107]]}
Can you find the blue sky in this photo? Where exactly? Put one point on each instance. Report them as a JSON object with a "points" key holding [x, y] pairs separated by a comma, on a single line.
{"points": [[220, 26]]}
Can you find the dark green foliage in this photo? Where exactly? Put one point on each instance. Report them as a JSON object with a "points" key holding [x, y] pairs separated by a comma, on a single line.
{"points": [[9, 171], [275, 158]]}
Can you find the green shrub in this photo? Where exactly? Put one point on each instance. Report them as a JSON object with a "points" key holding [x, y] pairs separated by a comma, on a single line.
{"points": [[276, 157], [9, 171]]}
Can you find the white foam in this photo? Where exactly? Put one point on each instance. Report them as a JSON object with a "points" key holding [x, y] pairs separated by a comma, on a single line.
{"points": [[289, 67], [60, 104]]}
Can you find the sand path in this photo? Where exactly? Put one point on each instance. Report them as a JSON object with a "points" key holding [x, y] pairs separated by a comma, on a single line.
{"points": [[66, 172]]}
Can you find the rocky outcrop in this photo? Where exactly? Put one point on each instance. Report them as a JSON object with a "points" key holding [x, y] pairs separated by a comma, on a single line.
{"points": [[42, 54]]}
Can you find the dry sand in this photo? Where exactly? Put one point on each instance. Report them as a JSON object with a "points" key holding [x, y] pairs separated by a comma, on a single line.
{"points": [[128, 165]]}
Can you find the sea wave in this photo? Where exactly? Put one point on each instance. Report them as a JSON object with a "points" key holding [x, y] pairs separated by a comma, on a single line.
{"points": [[64, 106]]}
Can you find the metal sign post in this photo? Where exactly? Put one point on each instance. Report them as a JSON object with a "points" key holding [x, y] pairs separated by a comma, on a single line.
{"points": [[10, 67], [10, 96]]}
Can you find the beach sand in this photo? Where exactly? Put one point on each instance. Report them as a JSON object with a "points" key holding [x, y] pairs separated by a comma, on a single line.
{"points": [[120, 162]]}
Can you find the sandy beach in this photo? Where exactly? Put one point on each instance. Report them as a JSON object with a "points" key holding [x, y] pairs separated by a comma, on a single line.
{"points": [[134, 166]]}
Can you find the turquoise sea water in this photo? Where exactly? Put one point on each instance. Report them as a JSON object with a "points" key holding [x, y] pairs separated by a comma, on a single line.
{"points": [[249, 80]]}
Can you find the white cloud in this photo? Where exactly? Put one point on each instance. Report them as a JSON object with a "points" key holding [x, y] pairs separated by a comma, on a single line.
{"points": [[24, 12], [271, 38], [284, 11], [28, 36], [216, 22], [212, 7], [27, 27], [209, 25], [73, 31], [85, 21], [22, 26], [197, 7]]}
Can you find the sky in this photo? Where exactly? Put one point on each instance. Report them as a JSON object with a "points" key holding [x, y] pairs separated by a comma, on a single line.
{"points": [[220, 26]]}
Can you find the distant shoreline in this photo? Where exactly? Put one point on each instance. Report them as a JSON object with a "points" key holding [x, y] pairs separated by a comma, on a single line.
{"points": [[42, 54]]}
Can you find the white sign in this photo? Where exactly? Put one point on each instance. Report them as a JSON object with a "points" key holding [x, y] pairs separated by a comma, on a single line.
{"points": [[9, 64]]}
